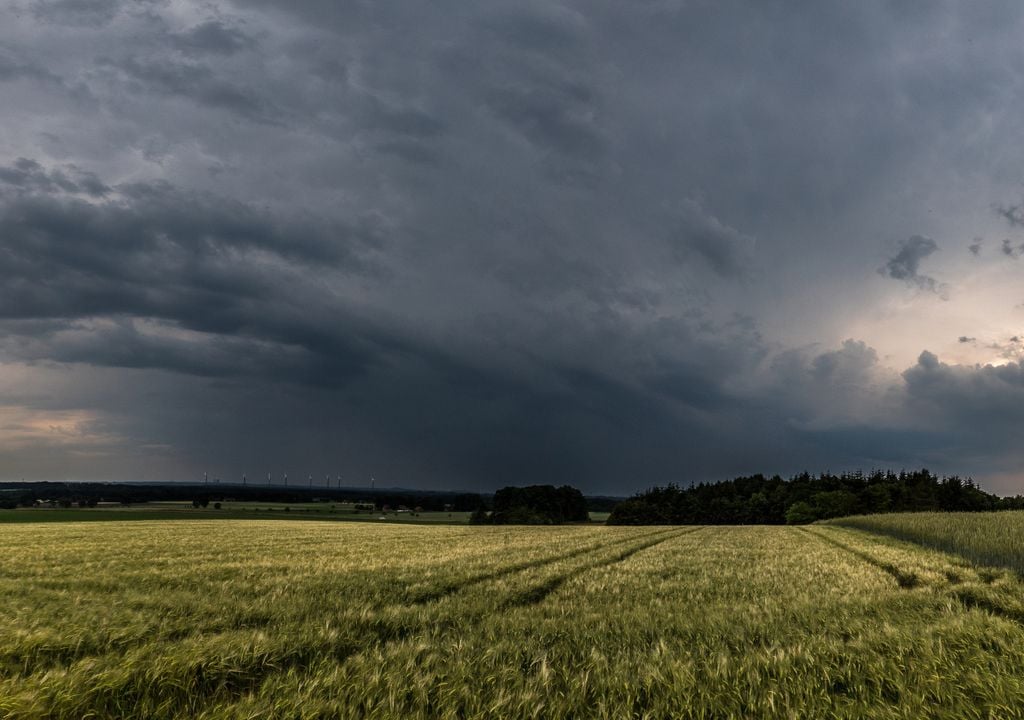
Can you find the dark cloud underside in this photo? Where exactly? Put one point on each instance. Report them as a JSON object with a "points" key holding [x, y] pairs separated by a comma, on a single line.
{"points": [[466, 245]]}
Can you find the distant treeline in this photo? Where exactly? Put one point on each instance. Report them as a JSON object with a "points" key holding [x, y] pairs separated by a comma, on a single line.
{"points": [[26, 494], [534, 505], [805, 498]]}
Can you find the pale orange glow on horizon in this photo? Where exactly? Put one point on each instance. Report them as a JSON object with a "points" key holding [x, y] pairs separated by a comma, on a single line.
{"points": [[22, 427]]}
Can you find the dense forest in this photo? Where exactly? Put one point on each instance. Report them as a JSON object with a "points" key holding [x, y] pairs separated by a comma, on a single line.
{"points": [[805, 498], [534, 505], [745, 500]]}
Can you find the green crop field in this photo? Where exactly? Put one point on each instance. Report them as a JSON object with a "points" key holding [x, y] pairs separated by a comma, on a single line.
{"points": [[232, 510], [268, 619], [992, 538]]}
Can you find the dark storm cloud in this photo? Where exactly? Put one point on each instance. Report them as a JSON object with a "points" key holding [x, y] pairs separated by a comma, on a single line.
{"points": [[1013, 214], [121, 344], [975, 246], [29, 176], [478, 244], [905, 264], [574, 428], [408, 133], [278, 350], [214, 37], [13, 69], [533, 70], [724, 249], [77, 12], [964, 339], [194, 81], [204, 264], [848, 365], [1011, 250], [979, 406], [892, 447], [553, 114], [825, 389], [401, 120], [176, 276], [147, 226]]}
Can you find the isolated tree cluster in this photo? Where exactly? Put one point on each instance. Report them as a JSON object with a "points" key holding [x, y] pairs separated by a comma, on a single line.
{"points": [[534, 505]]}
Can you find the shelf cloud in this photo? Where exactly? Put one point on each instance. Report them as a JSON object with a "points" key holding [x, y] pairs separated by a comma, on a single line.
{"points": [[466, 246]]}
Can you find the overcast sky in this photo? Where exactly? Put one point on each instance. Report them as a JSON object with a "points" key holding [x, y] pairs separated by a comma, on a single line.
{"points": [[463, 245]]}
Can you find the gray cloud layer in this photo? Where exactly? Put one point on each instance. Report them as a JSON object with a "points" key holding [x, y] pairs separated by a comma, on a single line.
{"points": [[904, 265], [460, 245]]}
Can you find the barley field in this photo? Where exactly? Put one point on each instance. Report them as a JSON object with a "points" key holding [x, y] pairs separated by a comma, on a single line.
{"points": [[267, 619], [991, 538]]}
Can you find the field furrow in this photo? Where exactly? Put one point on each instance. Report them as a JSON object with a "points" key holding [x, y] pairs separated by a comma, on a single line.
{"points": [[419, 596], [768, 623], [993, 590], [166, 604], [538, 593], [986, 538], [904, 578], [243, 619], [230, 663]]}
